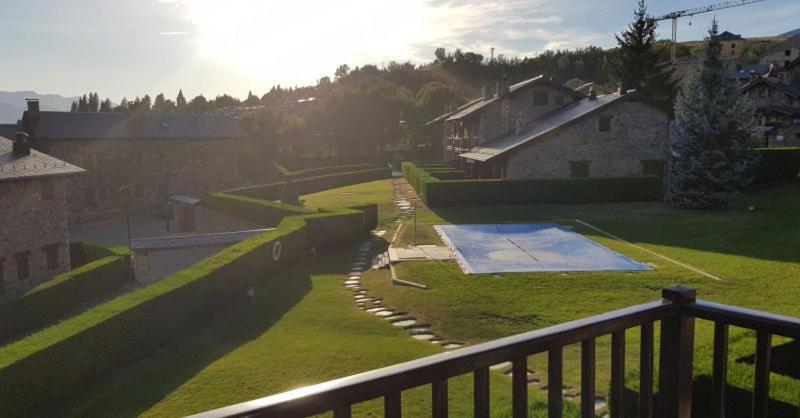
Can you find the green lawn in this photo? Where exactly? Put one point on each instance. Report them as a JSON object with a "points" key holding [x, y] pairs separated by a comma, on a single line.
{"points": [[756, 254], [379, 192]]}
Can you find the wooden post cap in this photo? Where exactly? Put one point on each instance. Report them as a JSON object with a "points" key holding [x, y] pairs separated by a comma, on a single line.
{"points": [[678, 294]]}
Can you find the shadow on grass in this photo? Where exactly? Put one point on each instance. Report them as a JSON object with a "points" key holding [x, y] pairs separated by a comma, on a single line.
{"points": [[738, 402], [137, 388], [768, 233], [784, 359]]}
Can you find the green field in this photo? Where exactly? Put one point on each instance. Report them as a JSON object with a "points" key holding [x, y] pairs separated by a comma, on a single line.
{"points": [[302, 327]]}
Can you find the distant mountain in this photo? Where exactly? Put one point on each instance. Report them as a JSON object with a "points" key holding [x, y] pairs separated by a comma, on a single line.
{"points": [[792, 32], [12, 103]]}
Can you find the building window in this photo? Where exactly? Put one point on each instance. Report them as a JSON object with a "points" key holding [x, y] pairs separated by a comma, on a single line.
{"points": [[653, 167], [2, 276], [559, 100], [605, 124], [788, 53], [579, 168], [23, 264], [48, 188], [51, 254], [540, 98], [89, 198]]}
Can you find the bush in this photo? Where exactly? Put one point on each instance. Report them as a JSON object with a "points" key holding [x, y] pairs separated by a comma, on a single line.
{"points": [[777, 164], [438, 192], [106, 270], [38, 374]]}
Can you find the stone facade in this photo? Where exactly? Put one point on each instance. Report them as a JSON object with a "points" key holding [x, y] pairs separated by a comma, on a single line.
{"points": [[777, 99], [636, 144], [153, 168], [33, 235], [783, 53]]}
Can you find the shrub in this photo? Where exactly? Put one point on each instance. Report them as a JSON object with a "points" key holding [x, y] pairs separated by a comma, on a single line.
{"points": [[106, 270], [439, 192], [777, 164]]}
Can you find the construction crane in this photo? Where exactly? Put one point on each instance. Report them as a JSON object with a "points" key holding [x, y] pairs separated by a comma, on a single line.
{"points": [[698, 10]]}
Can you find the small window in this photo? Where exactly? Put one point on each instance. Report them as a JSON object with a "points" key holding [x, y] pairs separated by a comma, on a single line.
{"points": [[559, 100], [48, 188], [605, 124], [540, 98], [579, 168], [788, 52], [653, 167], [23, 265], [2, 276], [51, 253]]}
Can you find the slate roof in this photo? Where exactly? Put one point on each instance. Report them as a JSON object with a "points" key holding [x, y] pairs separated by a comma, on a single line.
{"points": [[747, 71], [186, 241], [7, 130], [790, 89], [478, 105], [727, 36], [113, 125], [448, 114], [550, 122], [33, 165]]}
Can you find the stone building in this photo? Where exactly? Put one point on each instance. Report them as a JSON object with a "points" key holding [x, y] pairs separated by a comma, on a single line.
{"points": [[34, 240], [777, 99], [782, 53], [137, 160], [539, 128]]}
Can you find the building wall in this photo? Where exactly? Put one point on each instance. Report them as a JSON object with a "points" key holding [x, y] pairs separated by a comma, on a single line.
{"points": [[764, 95], [155, 169], [781, 54], [493, 123], [638, 132], [31, 222]]}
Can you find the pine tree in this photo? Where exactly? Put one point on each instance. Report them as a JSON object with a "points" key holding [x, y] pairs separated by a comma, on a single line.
{"points": [[180, 102], [637, 65], [106, 105], [158, 104], [711, 158], [144, 105], [74, 107], [93, 104]]}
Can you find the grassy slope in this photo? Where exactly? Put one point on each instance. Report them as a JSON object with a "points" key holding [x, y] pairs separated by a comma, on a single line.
{"points": [[379, 192], [757, 254]]}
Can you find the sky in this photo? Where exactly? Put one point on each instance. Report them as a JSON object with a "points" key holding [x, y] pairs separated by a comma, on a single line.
{"points": [[131, 48]]}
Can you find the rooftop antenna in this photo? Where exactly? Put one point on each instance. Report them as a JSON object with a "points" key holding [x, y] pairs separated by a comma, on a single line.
{"points": [[698, 10]]}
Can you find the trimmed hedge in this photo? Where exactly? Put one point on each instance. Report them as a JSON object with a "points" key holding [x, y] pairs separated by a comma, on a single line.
{"points": [[38, 374], [437, 192], [107, 270], [777, 164]]}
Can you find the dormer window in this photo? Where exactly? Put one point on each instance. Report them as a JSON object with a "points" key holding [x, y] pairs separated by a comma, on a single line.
{"points": [[540, 98]]}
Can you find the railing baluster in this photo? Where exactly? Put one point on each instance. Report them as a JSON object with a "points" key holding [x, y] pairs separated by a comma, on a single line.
{"points": [[646, 372], [763, 360], [587, 378], [555, 382], [391, 405], [720, 372], [481, 392], [676, 357], [617, 374], [342, 411], [440, 399], [519, 388]]}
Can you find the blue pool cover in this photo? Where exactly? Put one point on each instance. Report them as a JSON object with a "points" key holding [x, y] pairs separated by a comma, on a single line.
{"points": [[530, 247]]}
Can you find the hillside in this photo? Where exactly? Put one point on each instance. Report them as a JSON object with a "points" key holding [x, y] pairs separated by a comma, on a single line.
{"points": [[12, 103], [792, 32]]}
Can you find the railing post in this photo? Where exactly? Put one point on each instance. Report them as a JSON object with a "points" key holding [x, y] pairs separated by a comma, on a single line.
{"points": [[676, 357]]}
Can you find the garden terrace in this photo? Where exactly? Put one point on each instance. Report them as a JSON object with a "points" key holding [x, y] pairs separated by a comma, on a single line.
{"points": [[675, 314]]}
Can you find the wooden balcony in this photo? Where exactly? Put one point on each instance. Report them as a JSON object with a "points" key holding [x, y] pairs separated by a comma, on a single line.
{"points": [[676, 311]]}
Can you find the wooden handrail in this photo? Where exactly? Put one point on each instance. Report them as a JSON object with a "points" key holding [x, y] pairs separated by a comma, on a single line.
{"points": [[676, 311]]}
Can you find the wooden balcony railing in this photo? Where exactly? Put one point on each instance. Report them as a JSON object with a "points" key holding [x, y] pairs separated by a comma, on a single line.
{"points": [[677, 312]]}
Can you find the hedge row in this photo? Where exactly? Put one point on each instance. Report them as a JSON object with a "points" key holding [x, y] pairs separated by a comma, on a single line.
{"points": [[777, 164], [106, 270], [438, 192], [39, 373], [314, 184], [325, 171]]}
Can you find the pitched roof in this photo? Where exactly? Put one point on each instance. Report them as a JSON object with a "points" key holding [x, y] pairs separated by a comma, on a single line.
{"points": [[747, 71], [8, 130], [479, 104], [790, 89], [186, 241], [448, 114], [548, 123], [33, 165], [112, 125], [727, 36]]}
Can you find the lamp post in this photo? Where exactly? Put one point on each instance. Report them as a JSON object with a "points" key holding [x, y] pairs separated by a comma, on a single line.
{"points": [[126, 191]]}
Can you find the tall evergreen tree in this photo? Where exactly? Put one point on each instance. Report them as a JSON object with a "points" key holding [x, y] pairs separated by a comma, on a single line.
{"points": [[93, 104], [180, 102], [636, 64], [252, 99], [145, 103], [106, 105], [74, 107], [711, 154]]}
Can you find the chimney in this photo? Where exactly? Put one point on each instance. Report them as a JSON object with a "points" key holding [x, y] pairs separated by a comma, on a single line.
{"points": [[592, 93], [21, 144], [33, 106], [502, 86]]}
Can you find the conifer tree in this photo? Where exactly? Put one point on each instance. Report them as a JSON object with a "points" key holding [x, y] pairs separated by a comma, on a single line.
{"points": [[636, 64], [93, 104], [711, 154], [159, 104], [106, 105], [74, 107], [180, 102]]}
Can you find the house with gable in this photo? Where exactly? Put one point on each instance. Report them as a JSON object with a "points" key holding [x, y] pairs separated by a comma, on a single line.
{"points": [[777, 99], [539, 128]]}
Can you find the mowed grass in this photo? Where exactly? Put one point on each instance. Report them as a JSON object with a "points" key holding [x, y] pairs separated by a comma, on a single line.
{"points": [[756, 254], [379, 192]]}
